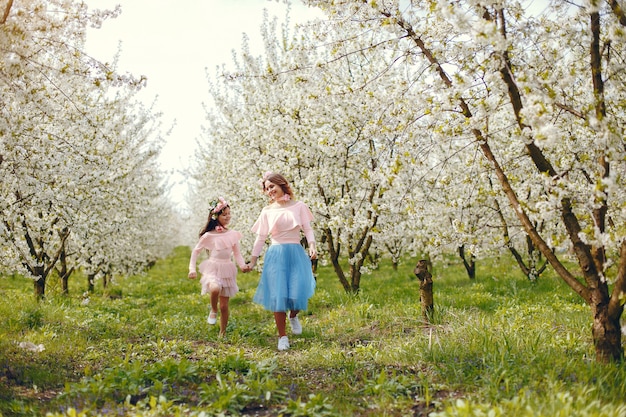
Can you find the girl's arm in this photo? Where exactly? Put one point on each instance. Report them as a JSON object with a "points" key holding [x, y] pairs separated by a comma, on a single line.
{"points": [[238, 257], [194, 257]]}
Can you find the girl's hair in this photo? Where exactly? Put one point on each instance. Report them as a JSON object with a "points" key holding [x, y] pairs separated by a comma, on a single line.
{"points": [[279, 180], [212, 222]]}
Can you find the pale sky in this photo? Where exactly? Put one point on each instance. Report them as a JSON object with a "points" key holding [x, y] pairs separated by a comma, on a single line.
{"points": [[172, 42]]}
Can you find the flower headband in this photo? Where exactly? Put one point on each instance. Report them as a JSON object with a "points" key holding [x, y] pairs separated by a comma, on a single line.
{"points": [[264, 178], [216, 206]]}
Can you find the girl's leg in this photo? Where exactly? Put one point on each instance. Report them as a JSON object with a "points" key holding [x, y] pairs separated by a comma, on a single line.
{"points": [[279, 318], [293, 313], [223, 314], [214, 291]]}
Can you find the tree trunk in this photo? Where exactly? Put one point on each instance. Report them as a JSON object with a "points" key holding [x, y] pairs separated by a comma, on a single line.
{"points": [[65, 279], [469, 264], [40, 282], [426, 289], [355, 278], [40, 288], [63, 272], [90, 282], [334, 259], [607, 336]]}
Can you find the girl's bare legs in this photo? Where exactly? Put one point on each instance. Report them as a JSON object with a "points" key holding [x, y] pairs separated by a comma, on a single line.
{"points": [[293, 313], [223, 314], [214, 292]]}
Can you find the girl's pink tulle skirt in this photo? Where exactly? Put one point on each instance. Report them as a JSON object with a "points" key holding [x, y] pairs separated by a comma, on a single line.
{"points": [[222, 273]]}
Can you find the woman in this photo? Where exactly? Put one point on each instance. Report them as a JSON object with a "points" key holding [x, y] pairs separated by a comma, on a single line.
{"points": [[287, 281]]}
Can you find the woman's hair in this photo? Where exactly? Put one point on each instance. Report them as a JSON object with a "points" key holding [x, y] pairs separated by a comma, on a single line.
{"points": [[279, 180], [212, 221]]}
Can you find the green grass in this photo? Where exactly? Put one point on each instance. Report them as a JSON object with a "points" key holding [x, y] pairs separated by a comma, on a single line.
{"points": [[495, 346]]}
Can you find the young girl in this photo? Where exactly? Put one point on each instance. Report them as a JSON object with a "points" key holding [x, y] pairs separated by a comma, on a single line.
{"points": [[219, 273]]}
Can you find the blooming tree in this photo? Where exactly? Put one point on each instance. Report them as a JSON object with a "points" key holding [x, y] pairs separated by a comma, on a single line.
{"points": [[76, 155], [539, 94], [337, 131]]}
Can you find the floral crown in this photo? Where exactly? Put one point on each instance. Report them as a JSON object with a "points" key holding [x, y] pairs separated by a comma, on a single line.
{"points": [[216, 206]]}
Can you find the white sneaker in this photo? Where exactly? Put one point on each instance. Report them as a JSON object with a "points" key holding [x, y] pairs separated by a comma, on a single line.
{"points": [[212, 319], [296, 327], [283, 343]]}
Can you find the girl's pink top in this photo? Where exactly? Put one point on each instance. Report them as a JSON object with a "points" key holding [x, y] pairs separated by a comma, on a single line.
{"points": [[284, 224], [221, 246]]}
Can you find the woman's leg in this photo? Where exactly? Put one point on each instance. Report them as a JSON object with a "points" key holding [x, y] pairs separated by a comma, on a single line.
{"points": [[296, 327], [279, 318]]}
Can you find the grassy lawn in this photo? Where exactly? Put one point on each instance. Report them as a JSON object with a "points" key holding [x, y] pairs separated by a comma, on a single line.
{"points": [[495, 346]]}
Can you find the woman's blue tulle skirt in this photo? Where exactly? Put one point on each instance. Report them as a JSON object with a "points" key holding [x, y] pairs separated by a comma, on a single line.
{"points": [[287, 280]]}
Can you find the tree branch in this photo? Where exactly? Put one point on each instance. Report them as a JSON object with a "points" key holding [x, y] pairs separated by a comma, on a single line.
{"points": [[570, 110], [7, 10], [619, 12], [64, 235], [599, 213], [582, 250]]}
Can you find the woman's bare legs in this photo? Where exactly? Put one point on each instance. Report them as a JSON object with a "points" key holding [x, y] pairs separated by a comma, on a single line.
{"points": [[279, 318]]}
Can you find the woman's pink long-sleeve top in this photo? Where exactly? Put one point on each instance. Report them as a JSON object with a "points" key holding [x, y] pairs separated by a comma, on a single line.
{"points": [[283, 224]]}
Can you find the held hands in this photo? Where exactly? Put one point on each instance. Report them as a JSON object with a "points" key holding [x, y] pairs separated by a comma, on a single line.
{"points": [[246, 268], [192, 275], [312, 252], [250, 265]]}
